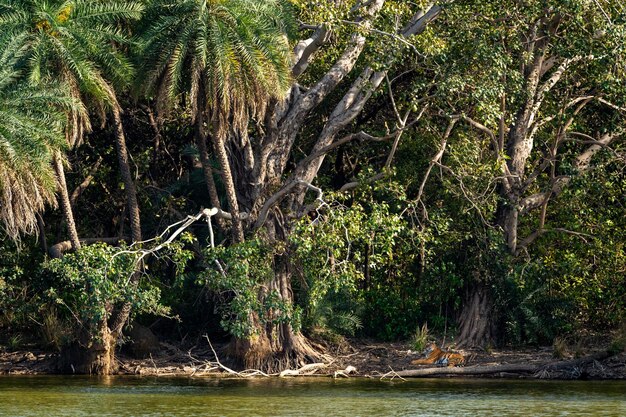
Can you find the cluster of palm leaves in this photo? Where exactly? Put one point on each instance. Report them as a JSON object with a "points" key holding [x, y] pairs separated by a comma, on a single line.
{"points": [[31, 132], [233, 54]]}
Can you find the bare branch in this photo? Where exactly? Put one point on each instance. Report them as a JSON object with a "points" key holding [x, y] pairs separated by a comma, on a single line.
{"points": [[282, 193], [305, 49], [477, 125], [437, 158], [611, 105], [352, 185], [86, 182]]}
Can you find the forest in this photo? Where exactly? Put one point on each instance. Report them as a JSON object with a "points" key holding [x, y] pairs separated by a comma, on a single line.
{"points": [[285, 175]]}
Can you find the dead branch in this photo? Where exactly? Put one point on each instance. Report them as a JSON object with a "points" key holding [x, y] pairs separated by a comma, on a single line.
{"points": [[391, 375], [345, 373], [248, 373], [86, 182], [309, 369]]}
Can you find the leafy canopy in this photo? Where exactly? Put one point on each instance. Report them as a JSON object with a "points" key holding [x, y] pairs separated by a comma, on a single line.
{"points": [[235, 53], [75, 43], [31, 131]]}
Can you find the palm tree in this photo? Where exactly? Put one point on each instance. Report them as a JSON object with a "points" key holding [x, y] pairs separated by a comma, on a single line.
{"points": [[231, 57], [32, 123], [74, 43]]}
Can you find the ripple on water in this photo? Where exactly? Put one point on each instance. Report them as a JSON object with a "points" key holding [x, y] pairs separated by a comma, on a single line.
{"points": [[129, 396]]}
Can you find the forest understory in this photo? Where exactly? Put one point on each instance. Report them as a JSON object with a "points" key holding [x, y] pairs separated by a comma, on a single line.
{"points": [[263, 170], [355, 358]]}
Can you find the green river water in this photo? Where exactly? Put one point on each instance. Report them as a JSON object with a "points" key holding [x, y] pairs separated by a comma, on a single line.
{"points": [[130, 396]]}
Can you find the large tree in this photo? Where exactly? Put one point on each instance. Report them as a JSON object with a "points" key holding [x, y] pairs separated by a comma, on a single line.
{"points": [[264, 171], [542, 82], [31, 135], [76, 44]]}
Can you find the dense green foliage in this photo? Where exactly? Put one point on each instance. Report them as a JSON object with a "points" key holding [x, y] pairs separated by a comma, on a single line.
{"points": [[400, 250], [31, 131]]}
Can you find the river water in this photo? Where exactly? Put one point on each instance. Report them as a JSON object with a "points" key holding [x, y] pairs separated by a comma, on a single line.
{"points": [[133, 396]]}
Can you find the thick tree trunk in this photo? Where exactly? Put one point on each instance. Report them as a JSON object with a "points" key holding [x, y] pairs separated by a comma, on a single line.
{"points": [[279, 346], [93, 354], [66, 207], [477, 321], [275, 347], [127, 178]]}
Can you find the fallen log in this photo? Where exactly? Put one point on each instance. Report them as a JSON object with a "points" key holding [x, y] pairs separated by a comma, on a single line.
{"points": [[469, 370], [541, 370]]}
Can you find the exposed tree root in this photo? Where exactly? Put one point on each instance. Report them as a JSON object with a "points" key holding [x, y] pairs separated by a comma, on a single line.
{"points": [[287, 350]]}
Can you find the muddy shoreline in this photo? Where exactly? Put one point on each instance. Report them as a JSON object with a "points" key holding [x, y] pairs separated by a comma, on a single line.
{"points": [[359, 359]]}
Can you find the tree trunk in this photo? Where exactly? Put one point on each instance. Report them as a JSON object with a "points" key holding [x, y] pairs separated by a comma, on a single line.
{"points": [[275, 347], [476, 323], [96, 352], [66, 207], [278, 346], [127, 178], [93, 354], [204, 159], [229, 184]]}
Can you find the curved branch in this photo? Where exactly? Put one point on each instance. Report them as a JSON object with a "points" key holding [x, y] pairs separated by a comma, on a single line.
{"points": [[305, 49], [282, 193]]}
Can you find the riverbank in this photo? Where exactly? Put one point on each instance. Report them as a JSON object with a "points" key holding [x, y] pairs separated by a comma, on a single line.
{"points": [[360, 358]]}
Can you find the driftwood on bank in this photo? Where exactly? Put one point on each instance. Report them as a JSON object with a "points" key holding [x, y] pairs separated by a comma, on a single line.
{"points": [[574, 367]]}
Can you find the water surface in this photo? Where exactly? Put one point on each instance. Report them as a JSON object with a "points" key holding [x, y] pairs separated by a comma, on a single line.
{"points": [[131, 396]]}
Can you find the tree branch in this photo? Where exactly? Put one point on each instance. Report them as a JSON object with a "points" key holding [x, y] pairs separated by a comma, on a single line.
{"points": [[86, 182], [282, 193], [305, 49]]}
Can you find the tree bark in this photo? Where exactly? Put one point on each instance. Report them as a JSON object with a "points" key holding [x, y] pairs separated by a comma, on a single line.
{"points": [[201, 138], [127, 178], [229, 185], [476, 322], [572, 369], [95, 354], [66, 206], [277, 346]]}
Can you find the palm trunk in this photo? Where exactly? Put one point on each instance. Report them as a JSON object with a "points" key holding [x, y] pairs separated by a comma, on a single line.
{"points": [[95, 354], [66, 207], [204, 159], [129, 184], [229, 184]]}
